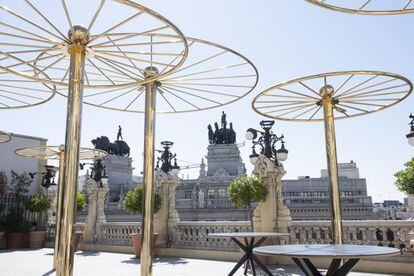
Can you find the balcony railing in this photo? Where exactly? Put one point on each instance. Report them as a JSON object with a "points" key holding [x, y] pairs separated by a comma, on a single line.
{"points": [[355, 232], [118, 233], [194, 234]]}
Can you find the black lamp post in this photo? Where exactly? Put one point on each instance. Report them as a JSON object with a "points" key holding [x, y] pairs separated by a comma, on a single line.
{"points": [[48, 178], [167, 157], [410, 136], [267, 142]]}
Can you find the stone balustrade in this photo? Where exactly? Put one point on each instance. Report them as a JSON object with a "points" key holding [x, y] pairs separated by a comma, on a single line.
{"points": [[218, 202], [183, 202], [51, 230], [118, 233], [355, 232], [194, 234]]}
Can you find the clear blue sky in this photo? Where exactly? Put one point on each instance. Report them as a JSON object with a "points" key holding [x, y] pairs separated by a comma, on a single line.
{"points": [[285, 39]]}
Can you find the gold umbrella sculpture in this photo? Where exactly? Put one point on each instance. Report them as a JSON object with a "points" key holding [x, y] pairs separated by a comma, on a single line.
{"points": [[4, 137], [103, 54], [198, 85], [367, 7], [17, 92], [330, 96], [58, 153]]}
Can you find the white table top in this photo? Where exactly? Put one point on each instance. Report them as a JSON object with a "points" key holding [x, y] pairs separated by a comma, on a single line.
{"points": [[325, 250], [248, 235]]}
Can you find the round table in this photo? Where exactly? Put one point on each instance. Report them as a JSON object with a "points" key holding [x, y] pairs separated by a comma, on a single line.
{"points": [[300, 254], [248, 246]]}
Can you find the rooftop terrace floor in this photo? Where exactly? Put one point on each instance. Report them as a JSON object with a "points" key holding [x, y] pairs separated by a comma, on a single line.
{"points": [[39, 262]]}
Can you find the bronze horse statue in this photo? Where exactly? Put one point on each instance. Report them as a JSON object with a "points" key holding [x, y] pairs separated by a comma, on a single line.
{"points": [[119, 148]]}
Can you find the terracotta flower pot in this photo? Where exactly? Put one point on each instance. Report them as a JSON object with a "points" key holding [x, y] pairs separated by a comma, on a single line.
{"points": [[78, 237], [137, 240], [3, 241], [37, 239], [14, 240]]}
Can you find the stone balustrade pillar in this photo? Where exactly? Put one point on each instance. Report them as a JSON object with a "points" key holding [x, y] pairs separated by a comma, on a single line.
{"points": [[167, 217], [96, 215], [271, 215]]}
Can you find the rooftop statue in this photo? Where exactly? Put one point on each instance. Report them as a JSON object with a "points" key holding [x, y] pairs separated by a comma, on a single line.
{"points": [[119, 135], [119, 147], [221, 135]]}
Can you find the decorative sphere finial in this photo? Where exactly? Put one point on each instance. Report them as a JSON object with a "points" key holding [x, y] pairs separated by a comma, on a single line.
{"points": [[326, 90], [150, 72], [78, 34]]}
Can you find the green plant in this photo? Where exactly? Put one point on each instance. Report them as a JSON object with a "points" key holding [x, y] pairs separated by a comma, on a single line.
{"points": [[39, 204], [3, 185], [2, 208], [80, 202], [405, 178], [245, 190], [14, 222], [134, 200], [20, 183]]}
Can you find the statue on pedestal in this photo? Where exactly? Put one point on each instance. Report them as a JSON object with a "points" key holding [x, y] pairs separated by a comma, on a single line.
{"points": [[200, 199], [119, 148], [119, 135], [194, 197], [221, 135], [223, 120]]}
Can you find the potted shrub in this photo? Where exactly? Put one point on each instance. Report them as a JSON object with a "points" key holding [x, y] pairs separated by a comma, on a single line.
{"points": [[245, 190], [20, 183], [134, 203], [3, 191], [405, 183], [38, 205], [80, 204], [3, 242], [14, 222], [15, 226]]}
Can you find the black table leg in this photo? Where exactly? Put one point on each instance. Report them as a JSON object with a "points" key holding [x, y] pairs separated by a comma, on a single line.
{"points": [[335, 268], [345, 268], [246, 267], [335, 264], [306, 266], [261, 265], [238, 265], [249, 258]]}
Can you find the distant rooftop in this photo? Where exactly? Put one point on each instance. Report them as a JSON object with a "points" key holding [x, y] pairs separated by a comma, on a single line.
{"points": [[349, 170]]}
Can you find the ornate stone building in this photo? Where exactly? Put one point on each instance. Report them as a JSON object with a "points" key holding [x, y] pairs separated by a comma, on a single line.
{"points": [[308, 198], [118, 166], [205, 198]]}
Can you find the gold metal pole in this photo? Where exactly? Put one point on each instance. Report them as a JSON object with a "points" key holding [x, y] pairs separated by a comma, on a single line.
{"points": [[77, 52], [333, 178], [149, 148], [59, 203]]}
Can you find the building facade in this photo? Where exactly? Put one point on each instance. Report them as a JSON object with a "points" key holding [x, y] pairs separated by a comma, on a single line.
{"points": [[205, 198], [10, 161], [308, 198]]}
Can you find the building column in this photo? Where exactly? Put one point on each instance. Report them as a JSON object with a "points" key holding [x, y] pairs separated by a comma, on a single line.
{"points": [[96, 215], [167, 217], [271, 215]]}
